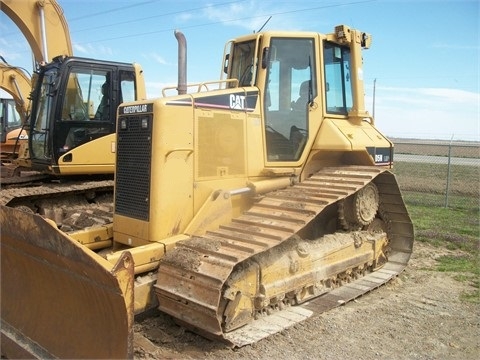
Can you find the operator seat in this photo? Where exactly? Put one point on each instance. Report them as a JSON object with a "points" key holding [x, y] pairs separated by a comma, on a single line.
{"points": [[103, 110], [302, 101]]}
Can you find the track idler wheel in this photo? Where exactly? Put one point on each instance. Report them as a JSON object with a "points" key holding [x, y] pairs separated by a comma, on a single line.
{"points": [[359, 209]]}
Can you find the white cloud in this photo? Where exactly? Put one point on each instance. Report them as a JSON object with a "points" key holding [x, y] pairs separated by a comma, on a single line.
{"points": [[159, 59], [184, 17], [427, 112], [246, 14], [93, 51], [156, 58], [456, 95], [77, 48]]}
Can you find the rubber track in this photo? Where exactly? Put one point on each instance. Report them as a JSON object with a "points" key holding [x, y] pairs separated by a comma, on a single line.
{"points": [[193, 295]]}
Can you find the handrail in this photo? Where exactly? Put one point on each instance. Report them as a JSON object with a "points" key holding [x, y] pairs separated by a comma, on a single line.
{"points": [[202, 85]]}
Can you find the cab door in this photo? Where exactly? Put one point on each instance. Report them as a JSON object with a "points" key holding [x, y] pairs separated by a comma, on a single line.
{"points": [[290, 92]]}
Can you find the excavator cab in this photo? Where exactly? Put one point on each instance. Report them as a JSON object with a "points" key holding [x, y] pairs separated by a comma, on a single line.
{"points": [[74, 111], [9, 118], [13, 111]]}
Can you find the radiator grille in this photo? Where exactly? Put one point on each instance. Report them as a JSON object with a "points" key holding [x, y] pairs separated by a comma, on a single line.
{"points": [[132, 177]]}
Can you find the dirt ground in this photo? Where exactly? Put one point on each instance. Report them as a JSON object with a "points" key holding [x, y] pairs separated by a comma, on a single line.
{"points": [[418, 315]]}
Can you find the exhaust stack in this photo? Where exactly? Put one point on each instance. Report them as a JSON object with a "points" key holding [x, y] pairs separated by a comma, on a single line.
{"points": [[182, 63]]}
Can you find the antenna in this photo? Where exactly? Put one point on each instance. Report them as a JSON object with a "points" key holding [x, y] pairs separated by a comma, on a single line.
{"points": [[265, 23]]}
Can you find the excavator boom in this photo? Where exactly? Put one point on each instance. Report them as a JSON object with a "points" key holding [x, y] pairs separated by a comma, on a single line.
{"points": [[43, 25], [15, 82]]}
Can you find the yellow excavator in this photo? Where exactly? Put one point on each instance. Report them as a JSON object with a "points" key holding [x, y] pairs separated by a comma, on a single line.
{"points": [[85, 96], [46, 30], [13, 110], [11, 128], [38, 21], [71, 124], [242, 206]]}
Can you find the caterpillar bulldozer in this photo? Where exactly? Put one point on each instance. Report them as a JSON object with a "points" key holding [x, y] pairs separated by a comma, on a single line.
{"points": [[68, 159], [242, 206]]}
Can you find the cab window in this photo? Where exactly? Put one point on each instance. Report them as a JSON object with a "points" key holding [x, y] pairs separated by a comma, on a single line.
{"points": [[87, 96], [338, 83], [242, 66]]}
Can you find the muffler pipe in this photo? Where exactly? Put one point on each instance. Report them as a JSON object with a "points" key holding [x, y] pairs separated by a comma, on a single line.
{"points": [[182, 63]]}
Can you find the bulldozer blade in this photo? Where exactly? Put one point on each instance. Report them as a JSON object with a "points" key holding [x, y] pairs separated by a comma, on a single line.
{"points": [[58, 298]]}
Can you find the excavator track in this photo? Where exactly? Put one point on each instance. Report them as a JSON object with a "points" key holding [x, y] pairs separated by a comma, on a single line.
{"points": [[73, 205], [194, 281]]}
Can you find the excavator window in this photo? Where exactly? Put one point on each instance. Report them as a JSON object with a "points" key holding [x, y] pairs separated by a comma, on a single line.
{"points": [[13, 119], [86, 112], [290, 91]]}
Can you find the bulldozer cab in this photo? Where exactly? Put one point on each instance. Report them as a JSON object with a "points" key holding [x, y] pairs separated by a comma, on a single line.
{"points": [[312, 94], [284, 68], [75, 102], [292, 72]]}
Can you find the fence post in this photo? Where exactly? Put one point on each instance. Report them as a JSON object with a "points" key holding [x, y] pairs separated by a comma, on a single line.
{"points": [[447, 190]]}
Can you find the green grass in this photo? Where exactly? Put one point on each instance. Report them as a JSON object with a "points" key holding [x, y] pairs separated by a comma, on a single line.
{"points": [[456, 229], [457, 202], [432, 179]]}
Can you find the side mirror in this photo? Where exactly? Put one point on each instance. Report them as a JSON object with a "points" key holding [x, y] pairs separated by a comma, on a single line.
{"points": [[225, 63], [265, 57]]}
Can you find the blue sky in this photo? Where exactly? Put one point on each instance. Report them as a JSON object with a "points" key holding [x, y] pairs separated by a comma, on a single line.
{"points": [[424, 58]]}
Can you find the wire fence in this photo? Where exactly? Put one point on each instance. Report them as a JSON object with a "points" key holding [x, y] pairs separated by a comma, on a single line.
{"points": [[438, 173]]}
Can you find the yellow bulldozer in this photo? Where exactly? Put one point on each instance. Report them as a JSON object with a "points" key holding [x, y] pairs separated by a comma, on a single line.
{"points": [[242, 206]]}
